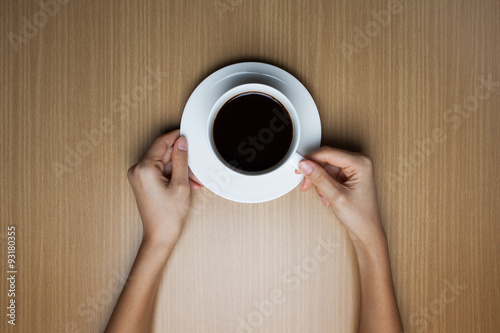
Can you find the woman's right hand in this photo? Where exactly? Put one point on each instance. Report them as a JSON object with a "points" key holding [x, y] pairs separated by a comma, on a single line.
{"points": [[345, 183]]}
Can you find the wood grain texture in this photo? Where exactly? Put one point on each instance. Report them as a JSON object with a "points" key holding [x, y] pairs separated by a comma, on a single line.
{"points": [[386, 91]]}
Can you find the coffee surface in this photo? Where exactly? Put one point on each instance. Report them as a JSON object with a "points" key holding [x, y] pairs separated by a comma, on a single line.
{"points": [[252, 131]]}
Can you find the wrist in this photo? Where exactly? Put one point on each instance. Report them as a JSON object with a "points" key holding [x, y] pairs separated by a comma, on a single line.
{"points": [[162, 233], [372, 247], [159, 244]]}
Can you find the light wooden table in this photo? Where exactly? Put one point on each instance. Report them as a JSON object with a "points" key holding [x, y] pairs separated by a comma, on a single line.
{"points": [[80, 103]]}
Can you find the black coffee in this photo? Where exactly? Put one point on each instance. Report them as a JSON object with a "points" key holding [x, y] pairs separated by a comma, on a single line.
{"points": [[253, 131]]}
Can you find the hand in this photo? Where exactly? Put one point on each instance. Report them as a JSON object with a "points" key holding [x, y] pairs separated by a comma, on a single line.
{"points": [[345, 183], [162, 185]]}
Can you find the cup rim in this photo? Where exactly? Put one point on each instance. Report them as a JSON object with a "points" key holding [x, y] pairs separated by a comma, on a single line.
{"points": [[263, 89]]}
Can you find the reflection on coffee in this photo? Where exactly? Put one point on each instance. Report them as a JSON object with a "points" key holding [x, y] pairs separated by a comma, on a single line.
{"points": [[252, 131]]}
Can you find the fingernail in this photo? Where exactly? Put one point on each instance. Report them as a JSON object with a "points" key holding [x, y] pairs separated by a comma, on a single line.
{"points": [[306, 168], [325, 202], [182, 145]]}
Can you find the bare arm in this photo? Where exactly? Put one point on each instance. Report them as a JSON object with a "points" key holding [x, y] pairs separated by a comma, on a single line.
{"points": [[345, 183], [135, 307], [161, 185], [379, 309]]}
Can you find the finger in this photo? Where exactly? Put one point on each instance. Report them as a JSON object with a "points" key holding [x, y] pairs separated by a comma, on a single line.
{"points": [[159, 147], [334, 156], [180, 173], [332, 170], [167, 169], [194, 178], [306, 184], [341, 177], [194, 185], [322, 197], [167, 157], [320, 178]]}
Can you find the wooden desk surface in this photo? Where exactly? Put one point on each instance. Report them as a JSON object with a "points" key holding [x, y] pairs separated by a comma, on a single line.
{"points": [[86, 86]]}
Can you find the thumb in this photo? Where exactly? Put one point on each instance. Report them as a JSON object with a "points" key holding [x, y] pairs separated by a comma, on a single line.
{"points": [[180, 171], [329, 187]]}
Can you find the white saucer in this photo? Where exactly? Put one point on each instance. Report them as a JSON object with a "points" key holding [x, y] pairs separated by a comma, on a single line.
{"points": [[207, 167]]}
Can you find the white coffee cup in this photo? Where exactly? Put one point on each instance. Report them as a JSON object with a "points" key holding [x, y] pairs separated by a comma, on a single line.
{"points": [[292, 157]]}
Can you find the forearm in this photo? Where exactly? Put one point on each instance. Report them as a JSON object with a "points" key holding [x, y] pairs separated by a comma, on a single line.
{"points": [[379, 310], [134, 308]]}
